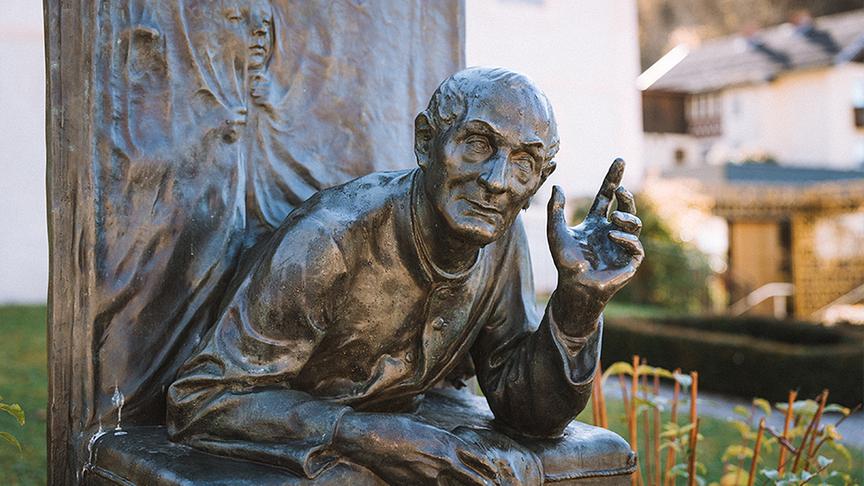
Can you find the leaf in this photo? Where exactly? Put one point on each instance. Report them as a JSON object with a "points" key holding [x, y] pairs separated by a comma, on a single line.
{"points": [[652, 370], [771, 474], [15, 411], [734, 478], [842, 450], [835, 408], [742, 411], [831, 433], [737, 451], [643, 404], [806, 476], [679, 470], [10, 439], [823, 462], [743, 429], [618, 368], [683, 379], [805, 407], [764, 405], [670, 444]]}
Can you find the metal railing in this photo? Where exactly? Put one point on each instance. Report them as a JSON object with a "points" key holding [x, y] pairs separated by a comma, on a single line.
{"points": [[778, 291]]}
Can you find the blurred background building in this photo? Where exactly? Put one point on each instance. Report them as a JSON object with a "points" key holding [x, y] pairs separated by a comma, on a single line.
{"points": [[764, 129]]}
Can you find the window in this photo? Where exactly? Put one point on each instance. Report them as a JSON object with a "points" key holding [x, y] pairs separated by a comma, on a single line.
{"points": [[704, 114], [680, 157]]}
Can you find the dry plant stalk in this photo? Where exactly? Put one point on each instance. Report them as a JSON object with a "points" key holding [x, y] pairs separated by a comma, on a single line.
{"points": [[823, 398], [781, 464], [694, 433], [595, 398], [657, 471], [601, 399], [631, 417], [624, 394], [646, 428], [756, 449], [691, 461], [816, 420], [670, 454]]}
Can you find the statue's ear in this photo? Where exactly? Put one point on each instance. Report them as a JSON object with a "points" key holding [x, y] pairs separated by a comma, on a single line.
{"points": [[423, 136], [547, 170]]}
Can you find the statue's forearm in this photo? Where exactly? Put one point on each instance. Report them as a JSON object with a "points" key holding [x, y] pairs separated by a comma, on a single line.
{"points": [[575, 310], [544, 381]]}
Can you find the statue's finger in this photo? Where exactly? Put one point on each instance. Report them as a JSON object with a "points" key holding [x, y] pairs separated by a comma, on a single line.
{"points": [[627, 222], [626, 201], [556, 220], [600, 207], [629, 242]]}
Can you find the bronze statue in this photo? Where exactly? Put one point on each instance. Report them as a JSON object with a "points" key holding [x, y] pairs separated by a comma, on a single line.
{"points": [[373, 292]]}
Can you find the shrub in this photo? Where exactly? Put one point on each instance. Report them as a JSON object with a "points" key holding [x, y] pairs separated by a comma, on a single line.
{"points": [[748, 357]]}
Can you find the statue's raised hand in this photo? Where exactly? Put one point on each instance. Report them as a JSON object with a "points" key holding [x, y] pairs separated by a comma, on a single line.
{"points": [[599, 256]]}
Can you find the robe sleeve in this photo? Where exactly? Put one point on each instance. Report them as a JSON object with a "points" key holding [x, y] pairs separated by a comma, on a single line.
{"points": [[235, 397], [536, 378]]}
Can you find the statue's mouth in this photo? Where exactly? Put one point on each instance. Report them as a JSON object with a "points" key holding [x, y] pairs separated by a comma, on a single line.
{"points": [[483, 207]]}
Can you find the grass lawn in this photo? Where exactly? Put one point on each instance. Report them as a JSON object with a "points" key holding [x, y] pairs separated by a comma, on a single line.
{"points": [[24, 380]]}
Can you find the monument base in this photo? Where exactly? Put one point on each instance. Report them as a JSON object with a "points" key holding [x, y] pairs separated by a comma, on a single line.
{"points": [[144, 455]]}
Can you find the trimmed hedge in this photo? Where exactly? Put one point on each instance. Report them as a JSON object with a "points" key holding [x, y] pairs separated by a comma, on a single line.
{"points": [[748, 357]]}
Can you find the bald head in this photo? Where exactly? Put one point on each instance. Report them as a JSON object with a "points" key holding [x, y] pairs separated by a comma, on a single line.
{"points": [[506, 94]]}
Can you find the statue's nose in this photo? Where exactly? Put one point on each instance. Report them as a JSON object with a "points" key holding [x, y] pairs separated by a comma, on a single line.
{"points": [[494, 178]]}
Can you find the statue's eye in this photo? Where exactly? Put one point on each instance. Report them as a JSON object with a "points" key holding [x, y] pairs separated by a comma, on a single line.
{"points": [[234, 16], [523, 163], [478, 145]]}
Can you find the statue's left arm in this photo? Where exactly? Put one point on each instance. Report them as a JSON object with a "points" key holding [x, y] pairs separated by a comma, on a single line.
{"points": [[537, 380]]}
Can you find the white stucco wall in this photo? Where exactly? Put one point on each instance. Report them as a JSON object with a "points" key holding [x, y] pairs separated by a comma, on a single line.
{"points": [[23, 234], [659, 152], [585, 56], [803, 118]]}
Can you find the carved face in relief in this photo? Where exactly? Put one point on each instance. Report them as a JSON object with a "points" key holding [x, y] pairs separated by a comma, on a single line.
{"points": [[483, 166], [256, 17]]}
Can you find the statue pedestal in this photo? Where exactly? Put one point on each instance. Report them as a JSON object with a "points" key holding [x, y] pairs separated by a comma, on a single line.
{"points": [[144, 455]]}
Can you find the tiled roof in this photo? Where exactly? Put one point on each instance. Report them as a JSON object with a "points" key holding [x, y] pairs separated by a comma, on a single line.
{"points": [[735, 60]]}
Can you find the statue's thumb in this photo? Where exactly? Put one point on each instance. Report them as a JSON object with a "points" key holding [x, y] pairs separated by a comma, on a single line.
{"points": [[556, 222]]}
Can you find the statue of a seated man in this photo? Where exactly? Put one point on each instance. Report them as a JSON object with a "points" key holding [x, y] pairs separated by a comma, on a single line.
{"points": [[373, 292]]}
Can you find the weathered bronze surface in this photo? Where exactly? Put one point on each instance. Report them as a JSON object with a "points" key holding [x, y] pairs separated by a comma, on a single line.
{"points": [[372, 292], [178, 152], [179, 133]]}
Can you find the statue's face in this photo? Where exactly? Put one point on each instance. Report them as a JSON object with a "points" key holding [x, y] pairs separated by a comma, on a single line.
{"points": [[488, 164], [256, 17], [261, 23]]}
